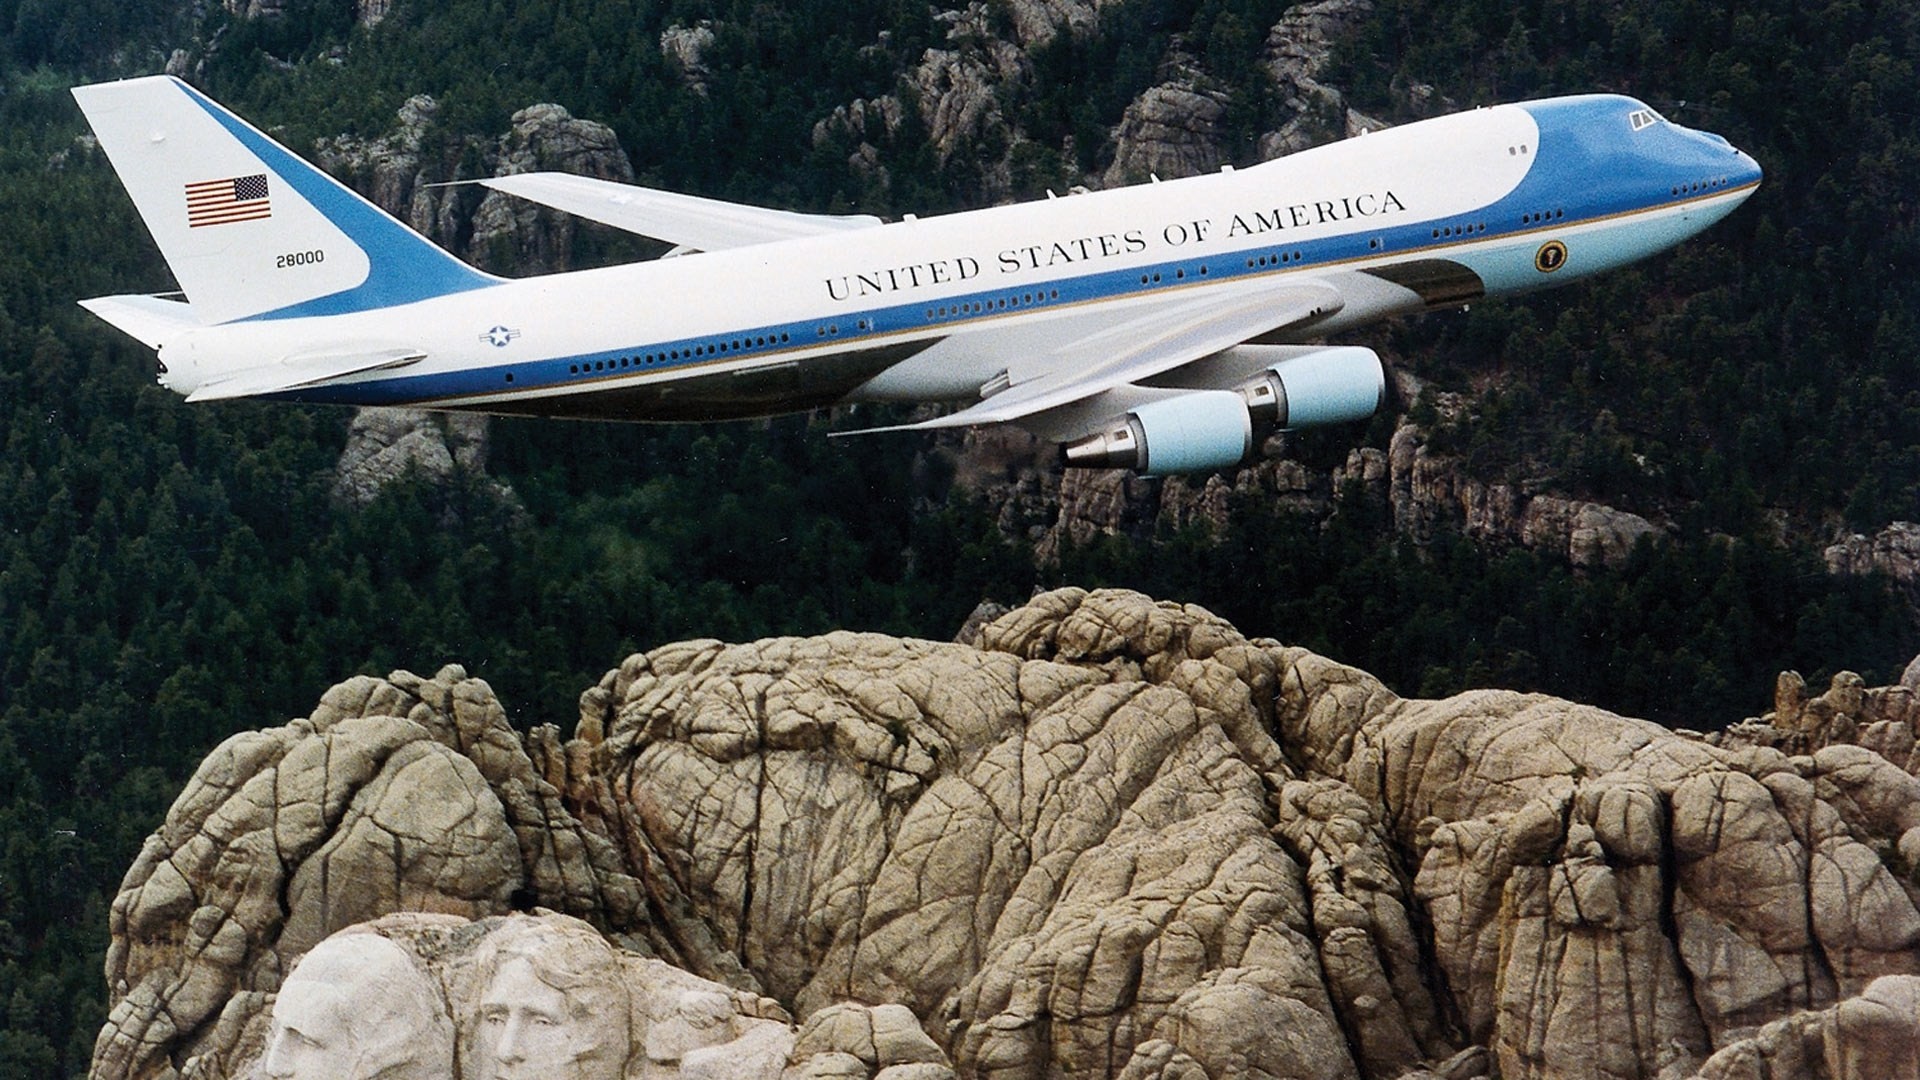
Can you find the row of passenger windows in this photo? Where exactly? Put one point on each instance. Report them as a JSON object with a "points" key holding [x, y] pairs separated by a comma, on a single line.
{"points": [[1543, 215], [650, 359], [1699, 185], [833, 329], [981, 307], [1273, 260], [1460, 230], [1179, 274]]}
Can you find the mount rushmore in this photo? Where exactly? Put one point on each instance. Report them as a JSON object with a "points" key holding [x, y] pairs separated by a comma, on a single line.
{"points": [[1102, 836]]}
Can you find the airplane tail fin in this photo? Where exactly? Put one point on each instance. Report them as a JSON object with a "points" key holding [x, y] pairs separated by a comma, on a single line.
{"points": [[249, 229]]}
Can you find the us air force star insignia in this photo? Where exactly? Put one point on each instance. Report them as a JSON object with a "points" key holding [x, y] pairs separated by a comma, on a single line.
{"points": [[499, 336]]}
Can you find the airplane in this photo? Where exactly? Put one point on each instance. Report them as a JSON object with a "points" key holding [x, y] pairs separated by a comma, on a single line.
{"points": [[1163, 327]]}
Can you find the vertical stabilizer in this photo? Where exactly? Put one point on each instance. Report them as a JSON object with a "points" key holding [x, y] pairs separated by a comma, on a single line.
{"points": [[249, 229]]}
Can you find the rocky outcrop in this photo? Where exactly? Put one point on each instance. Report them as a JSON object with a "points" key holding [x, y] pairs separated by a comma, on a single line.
{"points": [[1176, 128], [1884, 720], [387, 445], [1426, 494], [1111, 837], [1430, 492], [957, 93], [511, 234], [368, 13], [1037, 22], [1869, 1035], [398, 794], [433, 996], [1298, 50], [1173, 130], [392, 171], [1893, 551], [685, 47], [406, 172]]}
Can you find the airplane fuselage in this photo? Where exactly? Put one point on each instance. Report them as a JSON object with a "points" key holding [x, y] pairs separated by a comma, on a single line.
{"points": [[1490, 202]]}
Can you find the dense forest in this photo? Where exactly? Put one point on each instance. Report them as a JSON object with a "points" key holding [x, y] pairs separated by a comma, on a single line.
{"points": [[169, 575]]}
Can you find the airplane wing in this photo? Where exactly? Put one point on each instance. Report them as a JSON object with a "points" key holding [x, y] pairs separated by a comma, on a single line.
{"points": [[687, 220], [297, 372], [1147, 345]]}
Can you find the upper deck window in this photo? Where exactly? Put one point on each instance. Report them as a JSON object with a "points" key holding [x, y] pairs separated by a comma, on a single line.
{"points": [[1643, 118]]}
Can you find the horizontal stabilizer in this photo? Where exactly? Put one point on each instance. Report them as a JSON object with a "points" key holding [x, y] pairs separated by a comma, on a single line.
{"points": [[685, 220], [150, 320], [298, 372]]}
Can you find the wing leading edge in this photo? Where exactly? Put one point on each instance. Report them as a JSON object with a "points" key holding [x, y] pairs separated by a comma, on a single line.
{"points": [[1111, 355], [686, 220]]}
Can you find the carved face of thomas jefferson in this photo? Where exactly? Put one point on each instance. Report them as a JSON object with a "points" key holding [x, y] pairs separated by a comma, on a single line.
{"points": [[555, 1008]]}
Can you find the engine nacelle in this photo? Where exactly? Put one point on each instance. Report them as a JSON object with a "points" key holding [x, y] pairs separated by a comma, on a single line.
{"points": [[1326, 386], [1201, 430], [1196, 432]]}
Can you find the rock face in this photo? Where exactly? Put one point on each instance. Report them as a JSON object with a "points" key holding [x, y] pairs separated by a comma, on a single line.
{"points": [[1893, 551], [1109, 838], [686, 47], [368, 13], [384, 445], [527, 238], [1170, 131], [1426, 493], [1298, 50], [960, 90], [398, 172], [1884, 720], [428, 997]]}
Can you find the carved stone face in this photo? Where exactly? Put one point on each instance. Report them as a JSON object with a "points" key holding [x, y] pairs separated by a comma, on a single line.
{"points": [[311, 1036], [356, 1008], [530, 1030]]}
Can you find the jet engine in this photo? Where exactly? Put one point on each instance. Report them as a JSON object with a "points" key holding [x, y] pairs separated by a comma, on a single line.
{"points": [[1192, 432], [1204, 429]]}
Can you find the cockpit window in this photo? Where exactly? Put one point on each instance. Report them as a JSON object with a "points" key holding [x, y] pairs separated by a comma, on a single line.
{"points": [[1643, 118]]}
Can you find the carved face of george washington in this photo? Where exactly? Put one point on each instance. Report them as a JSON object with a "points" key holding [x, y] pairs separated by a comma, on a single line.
{"points": [[357, 1008]]}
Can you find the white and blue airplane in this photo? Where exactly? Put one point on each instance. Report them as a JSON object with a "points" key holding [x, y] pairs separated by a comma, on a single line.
{"points": [[1165, 327]]}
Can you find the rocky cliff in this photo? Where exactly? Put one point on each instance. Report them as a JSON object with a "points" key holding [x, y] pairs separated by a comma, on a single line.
{"points": [[962, 89], [1426, 493], [1109, 837]]}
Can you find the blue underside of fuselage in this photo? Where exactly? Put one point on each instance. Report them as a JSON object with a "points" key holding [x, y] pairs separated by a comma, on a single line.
{"points": [[1580, 175]]}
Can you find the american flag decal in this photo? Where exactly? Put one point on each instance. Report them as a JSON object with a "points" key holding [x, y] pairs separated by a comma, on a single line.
{"points": [[221, 202]]}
